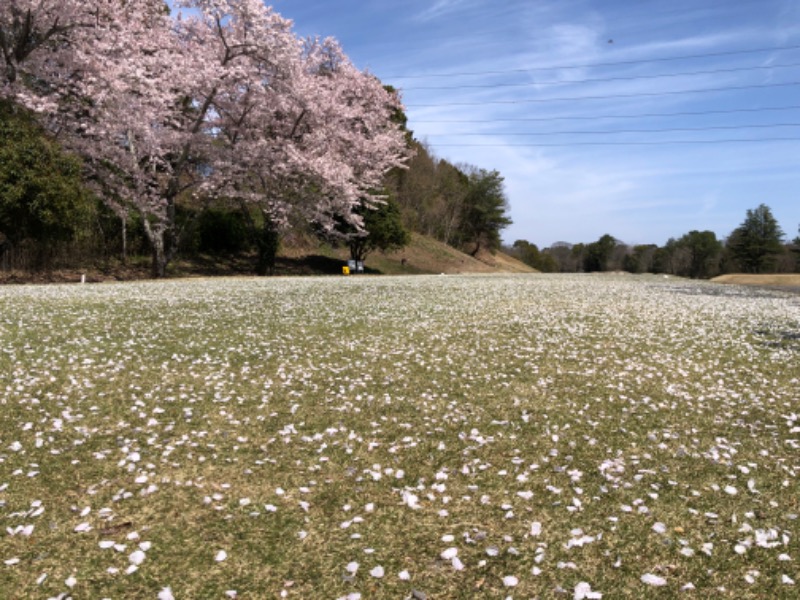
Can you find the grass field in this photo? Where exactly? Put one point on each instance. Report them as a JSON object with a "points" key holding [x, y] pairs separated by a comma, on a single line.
{"points": [[425, 437]]}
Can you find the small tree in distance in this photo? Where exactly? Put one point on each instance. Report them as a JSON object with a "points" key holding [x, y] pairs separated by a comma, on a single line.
{"points": [[484, 212], [383, 230], [704, 253]]}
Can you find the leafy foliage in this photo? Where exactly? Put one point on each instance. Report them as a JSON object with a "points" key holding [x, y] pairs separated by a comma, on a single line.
{"points": [[704, 253], [42, 197], [598, 254], [531, 256], [383, 230]]}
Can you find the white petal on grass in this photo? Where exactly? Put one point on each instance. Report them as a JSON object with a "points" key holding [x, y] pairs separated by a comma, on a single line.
{"points": [[70, 582], [404, 575], [510, 581], [412, 500], [659, 528], [352, 568], [137, 557], [583, 591], [377, 572], [449, 554], [536, 529], [655, 580], [786, 580], [166, 594], [11, 561], [221, 556]]}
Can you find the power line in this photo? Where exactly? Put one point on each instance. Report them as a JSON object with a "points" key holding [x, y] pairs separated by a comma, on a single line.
{"points": [[638, 95], [643, 143], [598, 80], [606, 64], [615, 131], [596, 117]]}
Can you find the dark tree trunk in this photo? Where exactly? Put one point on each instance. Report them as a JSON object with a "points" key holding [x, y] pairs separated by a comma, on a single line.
{"points": [[267, 242]]}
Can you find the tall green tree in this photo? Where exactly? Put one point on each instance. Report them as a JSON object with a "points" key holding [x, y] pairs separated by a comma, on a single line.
{"points": [[484, 212], [758, 241]]}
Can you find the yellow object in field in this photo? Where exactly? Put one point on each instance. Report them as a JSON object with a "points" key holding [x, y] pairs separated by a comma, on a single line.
{"points": [[345, 270]]}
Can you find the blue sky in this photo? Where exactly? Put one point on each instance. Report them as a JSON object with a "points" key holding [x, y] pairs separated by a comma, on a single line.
{"points": [[558, 95]]}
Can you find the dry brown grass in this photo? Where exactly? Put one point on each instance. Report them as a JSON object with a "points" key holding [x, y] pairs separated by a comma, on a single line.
{"points": [[783, 279]]}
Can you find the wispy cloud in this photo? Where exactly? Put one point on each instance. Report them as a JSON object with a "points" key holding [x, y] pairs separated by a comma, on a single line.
{"points": [[441, 8]]}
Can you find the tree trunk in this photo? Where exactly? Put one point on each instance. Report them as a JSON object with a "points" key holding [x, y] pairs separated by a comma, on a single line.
{"points": [[124, 219], [157, 237], [268, 241], [159, 268]]}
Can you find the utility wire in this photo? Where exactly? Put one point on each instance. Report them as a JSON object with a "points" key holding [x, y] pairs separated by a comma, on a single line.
{"points": [[596, 117], [638, 95], [606, 64], [615, 131], [598, 80], [644, 143]]}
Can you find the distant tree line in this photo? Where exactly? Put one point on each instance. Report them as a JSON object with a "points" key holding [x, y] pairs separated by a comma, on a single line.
{"points": [[758, 245]]}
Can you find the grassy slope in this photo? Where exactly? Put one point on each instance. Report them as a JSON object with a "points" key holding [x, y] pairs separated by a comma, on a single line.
{"points": [[423, 255], [426, 255]]}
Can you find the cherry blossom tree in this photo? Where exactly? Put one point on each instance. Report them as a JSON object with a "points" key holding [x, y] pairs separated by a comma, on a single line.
{"points": [[225, 100], [313, 137]]}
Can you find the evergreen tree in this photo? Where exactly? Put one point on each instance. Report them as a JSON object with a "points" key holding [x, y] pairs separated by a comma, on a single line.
{"points": [[484, 212], [757, 242]]}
